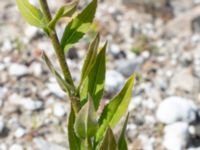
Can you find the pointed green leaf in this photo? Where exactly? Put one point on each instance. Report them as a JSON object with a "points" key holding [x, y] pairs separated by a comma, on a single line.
{"points": [[90, 58], [86, 123], [31, 14], [109, 142], [66, 10], [122, 144], [97, 77], [76, 29], [116, 108], [63, 84], [70, 8], [83, 90], [94, 82], [74, 141]]}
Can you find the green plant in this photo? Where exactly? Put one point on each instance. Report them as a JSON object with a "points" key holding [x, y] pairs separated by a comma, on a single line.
{"points": [[86, 129]]}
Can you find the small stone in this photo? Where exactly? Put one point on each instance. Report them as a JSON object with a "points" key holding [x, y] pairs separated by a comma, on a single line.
{"points": [[128, 67], [194, 148], [2, 126], [59, 110], [16, 147], [2, 66], [150, 104], [3, 146], [177, 83], [180, 6], [55, 89], [2, 94], [132, 131], [135, 103], [28, 103], [32, 104], [173, 109], [114, 50], [7, 46], [114, 81], [20, 132], [43, 145], [36, 68], [30, 32], [176, 136], [196, 66], [17, 70], [147, 142]]}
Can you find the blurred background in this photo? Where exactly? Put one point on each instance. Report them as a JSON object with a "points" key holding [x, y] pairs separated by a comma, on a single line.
{"points": [[158, 39]]}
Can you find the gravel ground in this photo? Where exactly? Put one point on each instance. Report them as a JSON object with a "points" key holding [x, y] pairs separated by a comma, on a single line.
{"points": [[159, 40]]}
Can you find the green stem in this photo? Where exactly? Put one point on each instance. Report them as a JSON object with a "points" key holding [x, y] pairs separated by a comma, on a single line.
{"points": [[75, 100], [86, 144]]}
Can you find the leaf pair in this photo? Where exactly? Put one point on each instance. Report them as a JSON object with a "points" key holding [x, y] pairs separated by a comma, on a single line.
{"points": [[115, 109], [76, 28], [109, 141], [64, 11], [93, 73], [86, 123], [85, 127]]}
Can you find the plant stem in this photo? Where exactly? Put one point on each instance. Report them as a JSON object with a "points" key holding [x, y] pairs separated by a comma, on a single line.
{"points": [[75, 100]]}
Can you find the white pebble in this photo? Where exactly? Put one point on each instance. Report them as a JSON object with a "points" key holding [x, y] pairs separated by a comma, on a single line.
{"points": [[135, 103], [114, 81], [55, 89], [17, 70], [2, 126], [36, 68], [176, 136], [26, 103], [173, 109], [59, 110], [20, 132], [16, 147]]}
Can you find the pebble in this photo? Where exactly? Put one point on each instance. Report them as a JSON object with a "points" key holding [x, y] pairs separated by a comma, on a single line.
{"points": [[59, 110], [16, 147], [194, 148], [147, 142], [132, 131], [7, 46], [54, 88], [17, 69], [135, 103], [30, 31], [20, 132], [177, 81], [26, 103], [173, 109], [2, 125], [128, 67], [3, 146], [176, 136], [44, 145], [196, 66], [149, 103], [3, 92], [36, 69], [114, 50], [114, 81], [30, 104]]}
